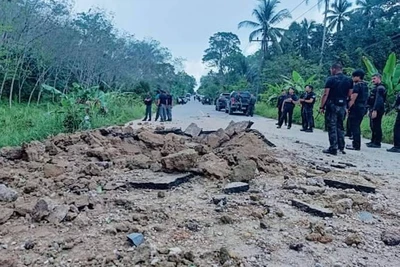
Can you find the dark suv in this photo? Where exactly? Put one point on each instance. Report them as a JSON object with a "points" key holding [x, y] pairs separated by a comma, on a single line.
{"points": [[222, 101], [238, 101]]}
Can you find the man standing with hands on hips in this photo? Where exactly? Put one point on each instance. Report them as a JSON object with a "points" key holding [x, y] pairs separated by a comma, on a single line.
{"points": [[338, 88]]}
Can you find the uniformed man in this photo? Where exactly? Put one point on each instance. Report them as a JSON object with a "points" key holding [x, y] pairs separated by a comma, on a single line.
{"points": [[303, 118], [148, 101], [168, 107], [308, 106], [357, 107], [252, 103], [287, 109], [396, 129], [157, 98], [279, 105], [376, 107], [337, 88]]}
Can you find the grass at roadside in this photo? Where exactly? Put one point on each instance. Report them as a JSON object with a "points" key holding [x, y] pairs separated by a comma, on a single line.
{"points": [[24, 124], [269, 111]]}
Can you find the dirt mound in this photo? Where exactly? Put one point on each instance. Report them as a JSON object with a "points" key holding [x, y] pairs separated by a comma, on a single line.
{"points": [[61, 184]]}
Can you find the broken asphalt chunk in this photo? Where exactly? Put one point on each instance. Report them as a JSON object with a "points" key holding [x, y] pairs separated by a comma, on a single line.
{"points": [[338, 166], [193, 130], [219, 200], [236, 187], [348, 185], [261, 136], [312, 209], [161, 183], [136, 238], [238, 127]]}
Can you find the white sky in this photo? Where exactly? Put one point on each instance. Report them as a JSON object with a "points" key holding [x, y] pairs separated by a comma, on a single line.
{"points": [[184, 26]]}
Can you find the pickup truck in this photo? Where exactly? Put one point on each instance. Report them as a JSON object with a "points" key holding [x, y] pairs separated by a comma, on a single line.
{"points": [[238, 102], [222, 101]]}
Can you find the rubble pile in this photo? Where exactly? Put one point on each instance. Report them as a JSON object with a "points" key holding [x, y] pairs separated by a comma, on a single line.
{"points": [[125, 196]]}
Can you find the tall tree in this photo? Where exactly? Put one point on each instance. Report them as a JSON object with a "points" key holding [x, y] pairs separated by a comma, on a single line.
{"points": [[221, 46], [306, 33], [339, 14], [267, 17]]}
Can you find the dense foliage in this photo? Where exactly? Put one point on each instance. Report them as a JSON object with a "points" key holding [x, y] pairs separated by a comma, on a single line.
{"points": [[351, 33], [43, 42]]}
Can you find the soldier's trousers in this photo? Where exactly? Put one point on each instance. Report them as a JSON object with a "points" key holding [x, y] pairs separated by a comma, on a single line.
{"points": [[335, 118], [303, 118], [355, 118], [348, 128], [148, 112], [157, 112], [250, 110], [308, 115], [376, 128], [280, 115], [287, 113], [168, 110], [396, 131]]}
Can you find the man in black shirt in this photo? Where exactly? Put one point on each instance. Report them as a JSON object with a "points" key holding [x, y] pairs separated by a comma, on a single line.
{"points": [[279, 105], [169, 107], [308, 106], [162, 103], [396, 129], [337, 88], [303, 115], [357, 106], [148, 101], [288, 107], [376, 106]]}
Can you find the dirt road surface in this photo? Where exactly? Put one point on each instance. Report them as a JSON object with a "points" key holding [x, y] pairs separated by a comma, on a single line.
{"points": [[72, 200]]}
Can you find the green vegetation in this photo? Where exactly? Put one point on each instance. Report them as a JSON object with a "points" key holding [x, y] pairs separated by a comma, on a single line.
{"points": [[22, 123], [357, 34], [63, 72]]}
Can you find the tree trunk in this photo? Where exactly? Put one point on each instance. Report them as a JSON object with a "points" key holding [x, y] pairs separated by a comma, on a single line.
{"points": [[13, 80], [324, 33]]}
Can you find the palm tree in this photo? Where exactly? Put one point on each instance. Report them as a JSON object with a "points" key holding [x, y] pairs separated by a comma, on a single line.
{"points": [[369, 8], [267, 17], [307, 29], [340, 13]]}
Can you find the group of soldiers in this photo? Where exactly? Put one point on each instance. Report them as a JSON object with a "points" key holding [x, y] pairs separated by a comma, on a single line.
{"points": [[286, 104], [164, 103], [343, 96]]}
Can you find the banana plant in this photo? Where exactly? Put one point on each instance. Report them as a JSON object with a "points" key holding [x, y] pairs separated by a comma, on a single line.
{"points": [[390, 74], [298, 82]]}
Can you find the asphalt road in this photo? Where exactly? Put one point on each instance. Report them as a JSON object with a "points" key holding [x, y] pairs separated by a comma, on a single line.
{"points": [[293, 143]]}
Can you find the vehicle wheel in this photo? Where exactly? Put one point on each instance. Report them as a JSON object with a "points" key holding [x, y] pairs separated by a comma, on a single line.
{"points": [[230, 111]]}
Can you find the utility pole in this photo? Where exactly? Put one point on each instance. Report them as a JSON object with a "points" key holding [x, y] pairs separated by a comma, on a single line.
{"points": [[261, 67]]}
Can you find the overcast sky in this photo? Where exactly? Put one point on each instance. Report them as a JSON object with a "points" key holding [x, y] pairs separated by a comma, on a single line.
{"points": [[184, 26]]}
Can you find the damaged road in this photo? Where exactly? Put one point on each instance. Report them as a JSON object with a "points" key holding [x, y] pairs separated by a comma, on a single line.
{"points": [[188, 196]]}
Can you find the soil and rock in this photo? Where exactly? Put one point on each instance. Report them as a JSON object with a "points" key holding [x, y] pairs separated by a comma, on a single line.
{"points": [[224, 197]]}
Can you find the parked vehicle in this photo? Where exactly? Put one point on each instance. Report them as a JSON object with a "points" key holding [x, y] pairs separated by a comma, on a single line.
{"points": [[238, 102], [222, 101], [181, 100], [206, 100]]}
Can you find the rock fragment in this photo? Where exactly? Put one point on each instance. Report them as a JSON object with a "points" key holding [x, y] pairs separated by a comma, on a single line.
{"points": [[391, 237], [348, 185], [236, 187], [5, 214], [181, 161], [312, 209], [7, 194], [12, 153], [193, 130]]}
